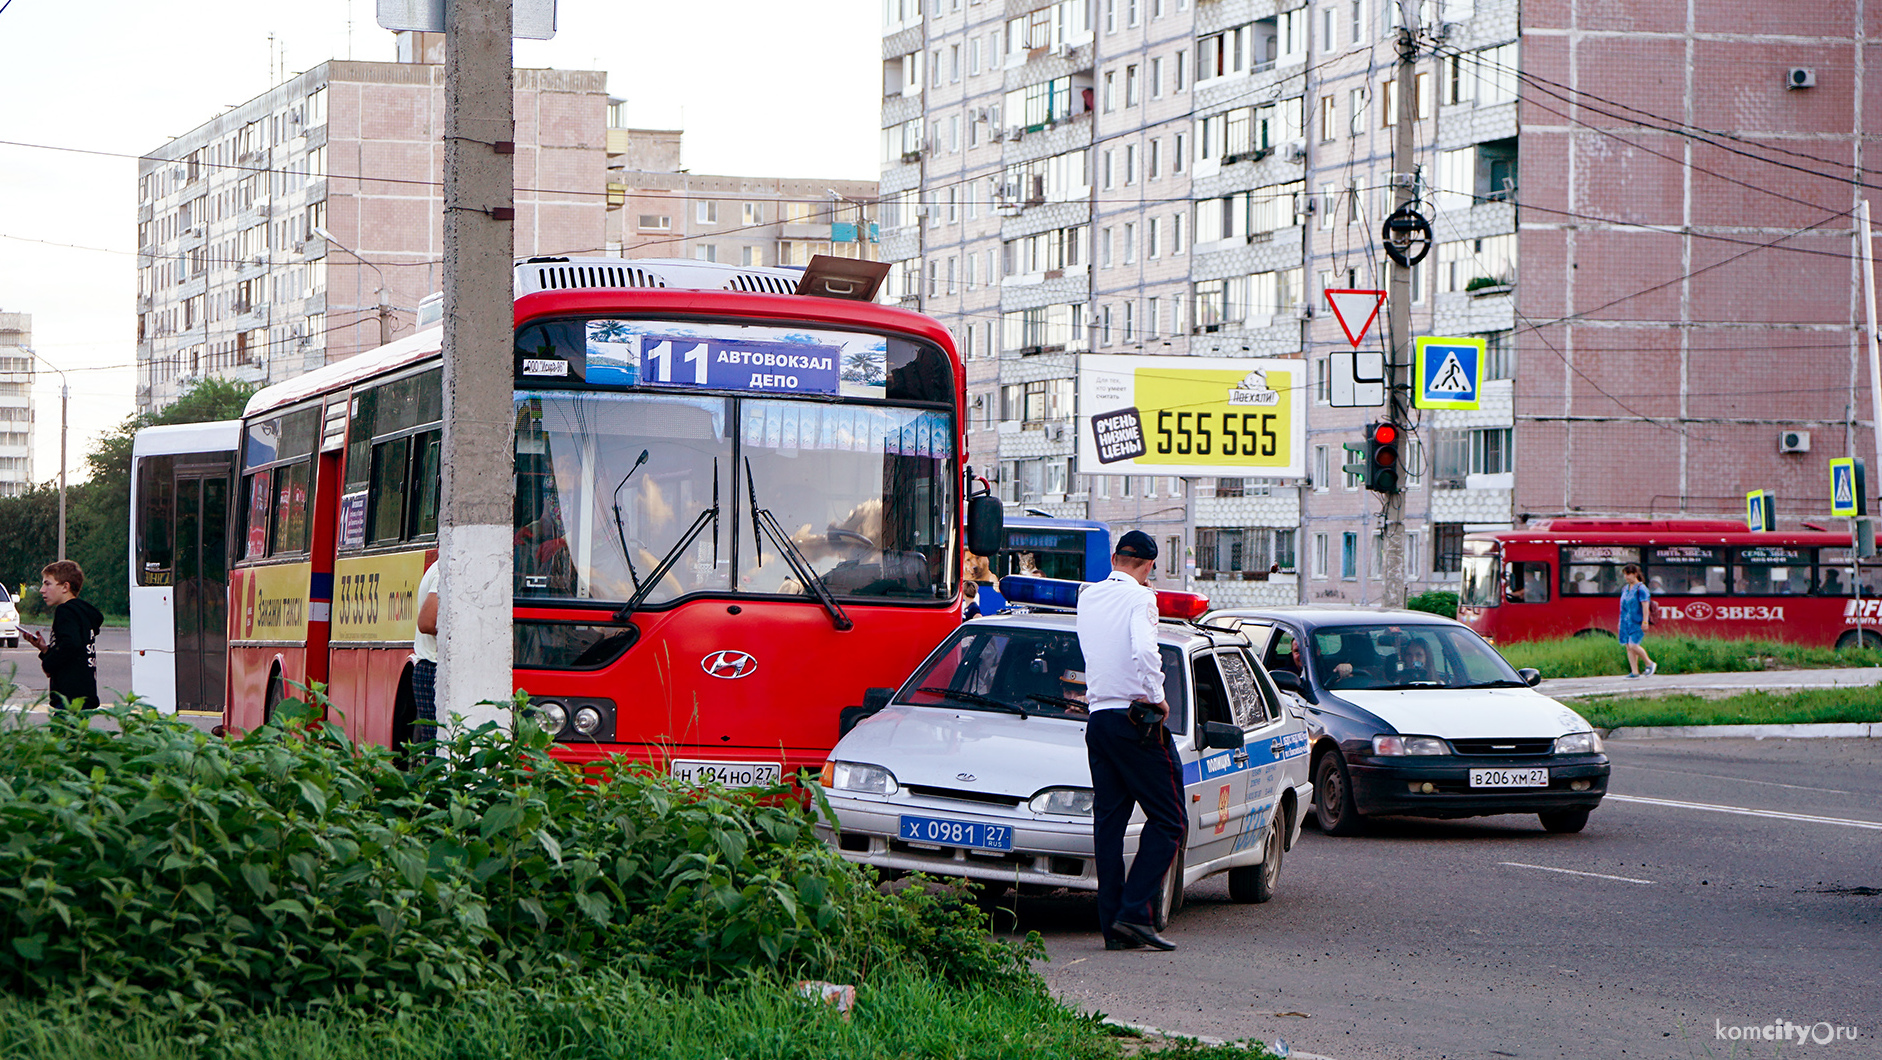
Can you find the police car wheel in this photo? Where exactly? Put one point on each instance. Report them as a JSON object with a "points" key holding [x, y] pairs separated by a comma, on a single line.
{"points": [[1170, 895], [1333, 805]]}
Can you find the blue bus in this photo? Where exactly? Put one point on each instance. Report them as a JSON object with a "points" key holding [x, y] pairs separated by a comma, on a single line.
{"points": [[1073, 549]]}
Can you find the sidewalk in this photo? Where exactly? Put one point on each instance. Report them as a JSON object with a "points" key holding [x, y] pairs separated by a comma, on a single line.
{"points": [[1711, 684]]}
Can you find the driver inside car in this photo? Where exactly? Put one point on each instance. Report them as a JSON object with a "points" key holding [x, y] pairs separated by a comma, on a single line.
{"points": [[1353, 664], [1414, 662]]}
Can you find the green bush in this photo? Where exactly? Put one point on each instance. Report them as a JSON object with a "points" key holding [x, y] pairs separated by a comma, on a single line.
{"points": [[1437, 602], [161, 869]]}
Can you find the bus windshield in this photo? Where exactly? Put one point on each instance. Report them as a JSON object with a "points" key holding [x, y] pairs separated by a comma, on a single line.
{"points": [[1479, 588], [610, 484]]}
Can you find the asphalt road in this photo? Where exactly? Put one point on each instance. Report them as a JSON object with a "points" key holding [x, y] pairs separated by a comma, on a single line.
{"points": [[114, 665], [1489, 937]]}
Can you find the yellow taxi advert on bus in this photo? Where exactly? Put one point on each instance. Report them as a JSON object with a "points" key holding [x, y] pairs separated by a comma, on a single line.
{"points": [[375, 597], [1241, 416]]}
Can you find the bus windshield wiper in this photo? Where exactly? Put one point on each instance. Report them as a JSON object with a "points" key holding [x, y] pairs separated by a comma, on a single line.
{"points": [[644, 589], [975, 698], [764, 525], [620, 531]]}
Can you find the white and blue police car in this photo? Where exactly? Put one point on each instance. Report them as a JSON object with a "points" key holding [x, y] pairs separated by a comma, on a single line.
{"points": [[976, 766]]}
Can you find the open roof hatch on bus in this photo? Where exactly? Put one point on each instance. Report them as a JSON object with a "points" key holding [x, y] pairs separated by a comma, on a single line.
{"points": [[828, 276]]}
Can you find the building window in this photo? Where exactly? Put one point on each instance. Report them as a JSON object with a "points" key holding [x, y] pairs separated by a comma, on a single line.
{"points": [[1229, 487], [752, 214], [1322, 469], [1110, 167], [1357, 119], [1329, 114], [1349, 555], [1447, 548], [1130, 243], [1182, 69], [1497, 360], [1323, 381], [1320, 555], [1177, 246], [1153, 317], [1132, 86], [1110, 91], [1153, 238], [1130, 164], [655, 223], [706, 213], [751, 256], [705, 252], [1154, 162], [1490, 452], [1156, 78]]}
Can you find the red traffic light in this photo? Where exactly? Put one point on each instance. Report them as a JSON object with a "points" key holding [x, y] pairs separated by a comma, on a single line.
{"points": [[1385, 433]]}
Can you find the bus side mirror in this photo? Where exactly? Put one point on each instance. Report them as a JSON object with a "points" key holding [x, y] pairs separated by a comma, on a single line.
{"points": [[1530, 675], [874, 699], [986, 525]]}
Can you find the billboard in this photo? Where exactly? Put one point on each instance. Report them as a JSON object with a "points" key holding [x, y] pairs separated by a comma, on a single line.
{"points": [[1235, 417]]}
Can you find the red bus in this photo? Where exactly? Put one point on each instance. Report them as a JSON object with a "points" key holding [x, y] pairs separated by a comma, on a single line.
{"points": [[1709, 578], [737, 508]]}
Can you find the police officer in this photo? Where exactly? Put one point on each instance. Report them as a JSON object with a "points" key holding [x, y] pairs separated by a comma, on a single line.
{"points": [[1133, 757]]}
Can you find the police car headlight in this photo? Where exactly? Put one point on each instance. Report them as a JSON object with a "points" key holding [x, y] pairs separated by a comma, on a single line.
{"points": [[1075, 802], [1409, 745], [551, 716], [1579, 743], [855, 776]]}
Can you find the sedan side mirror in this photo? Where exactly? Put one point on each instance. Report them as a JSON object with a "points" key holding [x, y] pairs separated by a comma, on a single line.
{"points": [[986, 529], [1530, 675], [1286, 681], [1220, 734]]}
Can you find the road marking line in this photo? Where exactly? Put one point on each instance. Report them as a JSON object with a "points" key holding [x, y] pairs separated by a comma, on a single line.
{"points": [[1735, 780], [1573, 872], [1744, 812]]}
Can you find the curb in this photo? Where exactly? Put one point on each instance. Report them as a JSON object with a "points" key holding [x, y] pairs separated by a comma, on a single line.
{"points": [[1826, 730], [1157, 1032]]}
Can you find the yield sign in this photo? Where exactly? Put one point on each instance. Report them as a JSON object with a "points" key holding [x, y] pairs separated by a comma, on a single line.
{"points": [[1355, 310]]}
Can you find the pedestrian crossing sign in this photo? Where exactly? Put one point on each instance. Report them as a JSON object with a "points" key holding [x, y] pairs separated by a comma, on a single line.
{"points": [[1760, 511], [1849, 488], [1449, 371]]}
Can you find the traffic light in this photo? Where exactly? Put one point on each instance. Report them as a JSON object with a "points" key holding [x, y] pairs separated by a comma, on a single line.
{"points": [[1382, 463]]}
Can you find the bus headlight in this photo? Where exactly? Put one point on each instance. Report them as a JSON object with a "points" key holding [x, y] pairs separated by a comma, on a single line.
{"points": [[1074, 802], [856, 776], [587, 720], [1579, 743], [551, 717]]}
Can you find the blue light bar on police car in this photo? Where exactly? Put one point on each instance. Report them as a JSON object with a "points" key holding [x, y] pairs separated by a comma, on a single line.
{"points": [[1040, 592]]}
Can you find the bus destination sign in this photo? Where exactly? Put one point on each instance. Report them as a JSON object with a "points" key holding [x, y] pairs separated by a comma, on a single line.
{"points": [[763, 367]]}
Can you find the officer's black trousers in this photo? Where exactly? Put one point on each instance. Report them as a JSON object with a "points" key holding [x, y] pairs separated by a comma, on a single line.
{"points": [[1125, 773]]}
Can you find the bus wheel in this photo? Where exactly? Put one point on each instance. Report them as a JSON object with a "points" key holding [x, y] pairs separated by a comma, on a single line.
{"points": [[1867, 638], [1594, 633], [276, 694]]}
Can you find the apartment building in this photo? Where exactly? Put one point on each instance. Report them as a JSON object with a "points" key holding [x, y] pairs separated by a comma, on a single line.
{"points": [[235, 278], [657, 209], [17, 373], [1187, 177]]}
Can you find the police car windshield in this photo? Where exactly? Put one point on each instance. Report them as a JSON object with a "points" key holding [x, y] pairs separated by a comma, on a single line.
{"points": [[1406, 655], [1038, 671]]}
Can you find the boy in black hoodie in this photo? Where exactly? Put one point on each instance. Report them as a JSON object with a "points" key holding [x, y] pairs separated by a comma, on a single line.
{"points": [[70, 655]]}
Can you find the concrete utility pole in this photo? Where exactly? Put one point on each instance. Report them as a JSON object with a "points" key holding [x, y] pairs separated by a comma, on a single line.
{"points": [[474, 531], [1398, 304]]}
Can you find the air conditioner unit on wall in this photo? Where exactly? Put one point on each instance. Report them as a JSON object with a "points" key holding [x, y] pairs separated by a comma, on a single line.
{"points": [[1801, 77], [1793, 441]]}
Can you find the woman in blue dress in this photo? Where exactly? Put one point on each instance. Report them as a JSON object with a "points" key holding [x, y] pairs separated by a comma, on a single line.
{"points": [[1636, 616]]}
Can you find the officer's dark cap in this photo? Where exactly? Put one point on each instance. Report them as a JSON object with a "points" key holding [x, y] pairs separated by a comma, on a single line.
{"points": [[1137, 545]]}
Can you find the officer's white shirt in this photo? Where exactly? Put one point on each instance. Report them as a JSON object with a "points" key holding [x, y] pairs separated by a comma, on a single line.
{"points": [[1117, 631]]}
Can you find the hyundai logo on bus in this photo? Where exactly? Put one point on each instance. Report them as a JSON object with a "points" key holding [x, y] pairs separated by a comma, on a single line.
{"points": [[729, 664]]}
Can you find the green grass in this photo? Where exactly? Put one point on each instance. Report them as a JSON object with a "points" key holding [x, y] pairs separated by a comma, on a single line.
{"points": [[1810, 706], [1602, 656], [900, 1015]]}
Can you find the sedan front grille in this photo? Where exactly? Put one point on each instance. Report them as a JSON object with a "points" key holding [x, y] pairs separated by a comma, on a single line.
{"points": [[964, 796], [1505, 746]]}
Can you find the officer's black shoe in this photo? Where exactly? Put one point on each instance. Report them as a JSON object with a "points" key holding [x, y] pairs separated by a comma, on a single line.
{"points": [[1143, 933], [1122, 943]]}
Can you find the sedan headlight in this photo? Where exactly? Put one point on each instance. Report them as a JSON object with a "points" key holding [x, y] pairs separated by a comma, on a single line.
{"points": [[1409, 745], [1579, 743], [856, 776], [551, 717], [1074, 802]]}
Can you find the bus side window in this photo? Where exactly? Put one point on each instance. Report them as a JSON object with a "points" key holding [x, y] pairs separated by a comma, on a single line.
{"points": [[389, 473], [1526, 582], [156, 497], [423, 508]]}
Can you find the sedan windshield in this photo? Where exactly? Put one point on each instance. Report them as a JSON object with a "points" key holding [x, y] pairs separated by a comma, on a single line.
{"points": [[611, 485], [1013, 669], [1409, 655]]}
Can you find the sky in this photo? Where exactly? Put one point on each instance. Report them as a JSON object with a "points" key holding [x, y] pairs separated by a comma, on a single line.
{"points": [[761, 88]]}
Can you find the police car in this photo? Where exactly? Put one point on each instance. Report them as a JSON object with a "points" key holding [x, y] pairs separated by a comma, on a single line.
{"points": [[1415, 715], [9, 619], [976, 767]]}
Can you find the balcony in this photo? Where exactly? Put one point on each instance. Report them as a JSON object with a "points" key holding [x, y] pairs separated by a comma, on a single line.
{"points": [[617, 142]]}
